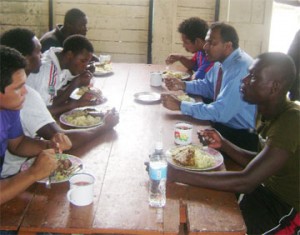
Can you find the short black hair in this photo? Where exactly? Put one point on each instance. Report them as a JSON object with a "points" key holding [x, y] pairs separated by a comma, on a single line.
{"points": [[73, 15], [193, 28], [20, 39], [10, 61], [77, 43], [283, 65], [227, 32]]}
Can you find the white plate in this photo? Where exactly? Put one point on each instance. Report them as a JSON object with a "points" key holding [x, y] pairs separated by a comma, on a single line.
{"points": [[63, 117], [74, 160], [210, 151], [147, 97], [102, 69], [183, 75], [75, 96]]}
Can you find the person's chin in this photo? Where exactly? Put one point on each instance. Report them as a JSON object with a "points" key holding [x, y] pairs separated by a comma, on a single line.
{"points": [[246, 99], [19, 107]]}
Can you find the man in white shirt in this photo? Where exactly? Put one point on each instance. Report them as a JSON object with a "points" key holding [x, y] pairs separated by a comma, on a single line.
{"points": [[35, 117], [62, 71]]}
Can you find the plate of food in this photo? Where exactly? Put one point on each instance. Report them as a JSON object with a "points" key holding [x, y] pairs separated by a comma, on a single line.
{"points": [[185, 97], [84, 117], [92, 91], [175, 74], [67, 166], [194, 158], [102, 68], [147, 97]]}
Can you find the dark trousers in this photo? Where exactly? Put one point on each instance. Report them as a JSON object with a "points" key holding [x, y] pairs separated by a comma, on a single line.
{"points": [[264, 213], [243, 138]]}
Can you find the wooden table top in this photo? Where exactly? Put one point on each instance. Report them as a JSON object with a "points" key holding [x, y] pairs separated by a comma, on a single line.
{"points": [[116, 159]]}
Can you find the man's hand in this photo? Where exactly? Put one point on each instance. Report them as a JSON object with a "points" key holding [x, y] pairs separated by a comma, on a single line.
{"points": [[170, 102], [83, 79], [44, 164], [172, 58], [89, 99], [111, 119], [174, 84], [214, 138], [59, 143]]}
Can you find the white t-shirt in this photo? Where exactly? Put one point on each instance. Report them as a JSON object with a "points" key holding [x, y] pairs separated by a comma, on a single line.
{"points": [[34, 115], [51, 77]]}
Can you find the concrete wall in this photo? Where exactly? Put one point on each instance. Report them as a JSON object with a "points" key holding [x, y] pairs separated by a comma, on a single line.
{"points": [[120, 27]]}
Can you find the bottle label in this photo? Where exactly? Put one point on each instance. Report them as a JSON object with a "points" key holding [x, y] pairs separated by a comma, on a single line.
{"points": [[158, 173]]}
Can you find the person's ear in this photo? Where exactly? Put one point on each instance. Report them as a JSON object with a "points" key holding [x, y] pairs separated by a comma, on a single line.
{"points": [[228, 45], [69, 55], [199, 43], [275, 87]]}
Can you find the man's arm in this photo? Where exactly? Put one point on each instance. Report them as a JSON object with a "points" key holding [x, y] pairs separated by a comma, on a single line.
{"points": [[185, 61], [79, 137], [265, 164], [215, 140], [79, 81], [41, 168], [26, 147]]}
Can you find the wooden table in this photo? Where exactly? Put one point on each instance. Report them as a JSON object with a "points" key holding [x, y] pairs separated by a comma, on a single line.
{"points": [[121, 190]]}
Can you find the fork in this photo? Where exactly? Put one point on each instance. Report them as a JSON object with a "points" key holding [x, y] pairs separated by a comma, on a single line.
{"points": [[202, 139], [48, 182], [75, 169]]}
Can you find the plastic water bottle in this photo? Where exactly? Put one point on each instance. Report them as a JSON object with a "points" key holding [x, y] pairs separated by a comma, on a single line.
{"points": [[158, 177]]}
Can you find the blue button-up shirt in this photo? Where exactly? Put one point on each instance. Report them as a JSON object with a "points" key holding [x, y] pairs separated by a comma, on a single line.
{"points": [[229, 108]]}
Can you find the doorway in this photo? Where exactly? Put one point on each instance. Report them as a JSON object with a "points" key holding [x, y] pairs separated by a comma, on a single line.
{"points": [[284, 24]]}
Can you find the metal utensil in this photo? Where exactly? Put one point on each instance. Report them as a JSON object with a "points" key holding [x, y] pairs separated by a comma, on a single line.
{"points": [[48, 182], [202, 140], [75, 169]]}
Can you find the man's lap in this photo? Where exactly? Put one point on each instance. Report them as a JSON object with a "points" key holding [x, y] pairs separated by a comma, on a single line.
{"points": [[262, 211]]}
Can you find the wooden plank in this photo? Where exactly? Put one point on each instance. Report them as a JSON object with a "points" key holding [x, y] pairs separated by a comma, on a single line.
{"points": [[125, 47], [105, 10], [106, 22], [23, 20], [12, 212], [213, 212], [24, 7], [117, 35], [197, 3], [106, 2]]}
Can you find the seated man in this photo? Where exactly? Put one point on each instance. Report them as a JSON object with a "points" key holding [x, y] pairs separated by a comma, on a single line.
{"points": [[12, 96], [229, 114], [62, 71], [75, 22], [270, 178], [193, 32], [35, 117]]}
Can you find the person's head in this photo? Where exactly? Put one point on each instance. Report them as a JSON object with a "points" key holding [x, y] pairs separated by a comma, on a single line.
{"points": [[193, 32], [75, 22], [77, 52], [270, 77], [12, 78], [27, 44], [221, 40]]}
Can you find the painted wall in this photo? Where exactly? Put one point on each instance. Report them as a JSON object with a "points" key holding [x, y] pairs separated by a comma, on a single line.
{"points": [[120, 27]]}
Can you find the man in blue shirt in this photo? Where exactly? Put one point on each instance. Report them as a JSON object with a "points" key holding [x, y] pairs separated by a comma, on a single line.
{"points": [[229, 114]]}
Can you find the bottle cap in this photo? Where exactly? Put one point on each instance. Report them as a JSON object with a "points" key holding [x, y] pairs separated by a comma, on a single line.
{"points": [[159, 145]]}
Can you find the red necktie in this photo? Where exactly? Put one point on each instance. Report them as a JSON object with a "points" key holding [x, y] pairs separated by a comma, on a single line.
{"points": [[219, 82]]}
